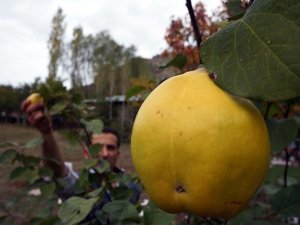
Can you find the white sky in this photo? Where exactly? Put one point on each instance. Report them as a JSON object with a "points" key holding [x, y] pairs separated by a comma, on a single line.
{"points": [[25, 26]]}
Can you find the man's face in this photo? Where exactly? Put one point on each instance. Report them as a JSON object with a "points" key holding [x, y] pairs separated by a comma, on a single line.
{"points": [[109, 149]]}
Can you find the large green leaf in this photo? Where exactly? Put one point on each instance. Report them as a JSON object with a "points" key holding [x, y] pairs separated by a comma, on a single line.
{"points": [[287, 201], [26, 173], [277, 171], [178, 61], [234, 8], [121, 212], [8, 156], [247, 216], [35, 142], [53, 220], [88, 163], [102, 167], [48, 189], [155, 216], [29, 160], [58, 107], [45, 172], [75, 209], [258, 56], [95, 149], [95, 125], [282, 133]]}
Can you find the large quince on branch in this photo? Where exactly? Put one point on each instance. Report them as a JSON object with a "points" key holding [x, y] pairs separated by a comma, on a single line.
{"points": [[199, 149]]}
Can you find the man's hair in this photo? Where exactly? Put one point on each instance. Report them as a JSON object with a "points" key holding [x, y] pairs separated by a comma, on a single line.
{"points": [[109, 130]]}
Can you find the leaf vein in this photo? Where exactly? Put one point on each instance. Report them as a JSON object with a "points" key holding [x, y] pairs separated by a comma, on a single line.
{"points": [[270, 50], [239, 62]]}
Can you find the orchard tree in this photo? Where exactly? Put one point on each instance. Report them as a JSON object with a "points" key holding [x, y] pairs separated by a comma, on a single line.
{"points": [[56, 44], [11, 97], [180, 35], [8, 98], [80, 66], [108, 58], [77, 57]]}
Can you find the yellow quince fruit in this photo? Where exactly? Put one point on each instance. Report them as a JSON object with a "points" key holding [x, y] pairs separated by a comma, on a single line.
{"points": [[35, 98], [199, 149]]}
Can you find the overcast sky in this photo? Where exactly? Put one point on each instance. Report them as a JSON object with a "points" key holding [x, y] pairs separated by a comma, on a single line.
{"points": [[25, 26]]}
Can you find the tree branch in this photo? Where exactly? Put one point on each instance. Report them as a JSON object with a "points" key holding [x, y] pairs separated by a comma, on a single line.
{"points": [[195, 26], [87, 135], [286, 167], [267, 110]]}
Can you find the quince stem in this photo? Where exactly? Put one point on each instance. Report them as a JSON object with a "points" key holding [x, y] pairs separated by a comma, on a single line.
{"points": [[195, 26]]}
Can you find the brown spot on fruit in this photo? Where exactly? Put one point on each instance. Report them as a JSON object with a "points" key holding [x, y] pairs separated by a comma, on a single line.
{"points": [[180, 188]]}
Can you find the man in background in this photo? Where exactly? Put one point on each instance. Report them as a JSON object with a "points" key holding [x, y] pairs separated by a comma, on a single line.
{"points": [[53, 157]]}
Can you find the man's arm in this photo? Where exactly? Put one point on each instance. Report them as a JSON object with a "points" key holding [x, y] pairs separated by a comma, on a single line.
{"points": [[51, 153]]}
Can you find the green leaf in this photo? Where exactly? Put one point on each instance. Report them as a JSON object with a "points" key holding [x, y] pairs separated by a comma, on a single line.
{"points": [[58, 107], [30, 160], [178, 61], [8, 144], [271, 189], [53, 220], [26, 173], [49, 206], [122, 192], [247, 216], [79, 107], [34, 142], [46, 172], [276, 172], [297, 120], [88, 163], [258, 55], [95, 126], [75, 209], [244, 218], [289, 181], [96, 193], [134, 91], [282, 133], [71, 136], [103, 166], [287, 201], [83, 181], [18, 173], [8, 156], [48, 189], [32, 175], [124, 178], [155, 216], [235, 9], [94, 150], [121, 211]]}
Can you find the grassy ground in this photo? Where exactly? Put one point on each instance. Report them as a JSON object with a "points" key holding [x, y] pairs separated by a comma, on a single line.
{"points": [[22, 134]]}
